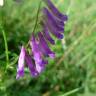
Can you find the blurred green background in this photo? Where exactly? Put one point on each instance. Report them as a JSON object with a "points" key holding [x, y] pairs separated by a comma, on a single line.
{"points": [[72, 72]]}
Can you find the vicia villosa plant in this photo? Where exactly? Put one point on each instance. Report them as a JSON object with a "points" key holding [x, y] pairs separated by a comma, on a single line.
{"points": [[52, 22]]}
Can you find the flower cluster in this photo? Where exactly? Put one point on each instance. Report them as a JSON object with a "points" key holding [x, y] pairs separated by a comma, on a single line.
{"points": [[52, 24]]}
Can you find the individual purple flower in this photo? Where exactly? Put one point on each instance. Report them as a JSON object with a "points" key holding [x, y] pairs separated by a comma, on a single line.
{"points": [[46, 34], [37, 55], [31, 65], [53, 20], [53, 30], [20, 69], [24, 56], [44, 46], [55, 11]]}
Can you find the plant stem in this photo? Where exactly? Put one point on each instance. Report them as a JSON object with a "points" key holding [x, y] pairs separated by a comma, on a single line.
{"points": [[36, 21], [6, 47], [37, 16]]}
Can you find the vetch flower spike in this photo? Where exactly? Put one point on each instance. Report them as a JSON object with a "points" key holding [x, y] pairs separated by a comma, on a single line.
{"points": [[52, 24]]}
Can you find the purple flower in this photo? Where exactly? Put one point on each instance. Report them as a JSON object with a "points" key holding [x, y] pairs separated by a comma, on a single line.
{"points": [[53, 30], [46, 34], [31, 65], [53, 23], [57, 24], [24, 56], [20, 69], [55, 11], [44, 46], [37, 55], [54, 20]]}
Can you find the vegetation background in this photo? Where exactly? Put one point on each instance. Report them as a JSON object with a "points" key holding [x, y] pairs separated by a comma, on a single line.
{"points": [[72, 72]]}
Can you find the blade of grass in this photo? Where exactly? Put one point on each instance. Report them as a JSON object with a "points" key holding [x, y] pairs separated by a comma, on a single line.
{"points": [[6, 47], [71, 92]]}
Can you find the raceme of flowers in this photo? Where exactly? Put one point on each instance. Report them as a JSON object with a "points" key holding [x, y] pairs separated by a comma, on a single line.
{"points": [[52, 24]]}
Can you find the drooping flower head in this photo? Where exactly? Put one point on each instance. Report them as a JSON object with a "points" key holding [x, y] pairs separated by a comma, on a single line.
{"points": [[53, 23]]}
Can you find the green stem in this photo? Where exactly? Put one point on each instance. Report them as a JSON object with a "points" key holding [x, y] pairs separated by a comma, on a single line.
{"points": [[6, 47], [37, 16], [72, 91], [36, 21]]}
